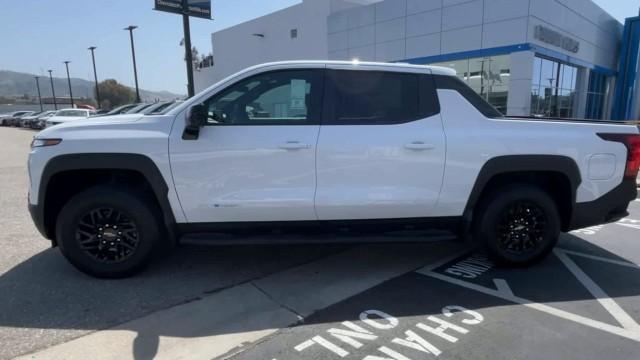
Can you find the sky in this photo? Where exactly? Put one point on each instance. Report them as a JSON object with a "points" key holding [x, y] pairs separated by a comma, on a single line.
{"points": [[40, 34]]}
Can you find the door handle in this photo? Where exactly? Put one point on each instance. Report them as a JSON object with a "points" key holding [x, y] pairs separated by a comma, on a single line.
{"points": [[294, 145], [419, 145]]}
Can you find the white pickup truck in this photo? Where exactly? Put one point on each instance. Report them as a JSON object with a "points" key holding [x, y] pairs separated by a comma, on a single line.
{"points": [[319, 145]]}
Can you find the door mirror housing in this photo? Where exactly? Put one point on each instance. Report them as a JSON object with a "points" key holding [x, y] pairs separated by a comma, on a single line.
{"points": [[196, 118]]}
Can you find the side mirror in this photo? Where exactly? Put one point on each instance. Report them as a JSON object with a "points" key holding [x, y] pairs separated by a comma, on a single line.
{"points": [[196, 118]]}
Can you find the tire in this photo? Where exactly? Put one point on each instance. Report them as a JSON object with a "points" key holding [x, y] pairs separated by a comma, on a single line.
{"points": [[108, 232], [518, 225]]}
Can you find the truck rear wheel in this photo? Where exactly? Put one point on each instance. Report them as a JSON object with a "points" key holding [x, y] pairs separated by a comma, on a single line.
{"points": [[107, 232], [519, 225]]}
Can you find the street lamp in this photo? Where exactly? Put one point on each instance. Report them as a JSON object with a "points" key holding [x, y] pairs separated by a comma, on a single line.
{"points": [[95, 73], [130, 28], [53, 90], [66, 63], [39, 95]]}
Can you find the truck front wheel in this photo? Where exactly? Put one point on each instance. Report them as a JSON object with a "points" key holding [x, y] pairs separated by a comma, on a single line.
{"points": [[107, 232], [519, 225]]}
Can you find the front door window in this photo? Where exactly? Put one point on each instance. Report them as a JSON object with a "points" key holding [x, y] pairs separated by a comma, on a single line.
{"points": [[274, 98]]}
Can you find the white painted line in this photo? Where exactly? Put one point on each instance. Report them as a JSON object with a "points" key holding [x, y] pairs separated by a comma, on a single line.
{"points": [[603, 298], [633, 335], [600, 258], [503, 287]]}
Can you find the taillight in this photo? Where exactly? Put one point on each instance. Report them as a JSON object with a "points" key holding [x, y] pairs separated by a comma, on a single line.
{"points": [[632, 142]]}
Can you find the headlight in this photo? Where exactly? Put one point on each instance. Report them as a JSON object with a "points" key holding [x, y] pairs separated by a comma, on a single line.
{"points": [[44, 142]]}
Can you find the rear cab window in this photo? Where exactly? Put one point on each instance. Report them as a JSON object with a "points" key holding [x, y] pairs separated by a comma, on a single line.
{"points": [[454, 83]]}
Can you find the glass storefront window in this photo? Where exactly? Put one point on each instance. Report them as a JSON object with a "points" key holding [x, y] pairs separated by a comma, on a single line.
{"points": [[553, 92], [596, 95], [488, 76]]}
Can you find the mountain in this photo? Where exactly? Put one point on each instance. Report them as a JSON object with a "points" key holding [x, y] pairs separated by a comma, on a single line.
{"points": [[14, 84]]}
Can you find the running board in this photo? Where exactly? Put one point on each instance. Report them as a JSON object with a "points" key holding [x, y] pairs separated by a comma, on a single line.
{"points": [[217, 239]]}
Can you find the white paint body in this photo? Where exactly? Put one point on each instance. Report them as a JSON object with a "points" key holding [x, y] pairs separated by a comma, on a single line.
{"points": [[247, 173]]}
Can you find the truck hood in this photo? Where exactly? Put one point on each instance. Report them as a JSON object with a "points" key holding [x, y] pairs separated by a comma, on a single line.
{"points": [[104, 123], [76, 121]]}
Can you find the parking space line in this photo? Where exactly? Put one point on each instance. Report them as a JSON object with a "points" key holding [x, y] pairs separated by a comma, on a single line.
{"points": [[600, 258], [502, 286], [629, 334], [603, 298], [447, 259]]}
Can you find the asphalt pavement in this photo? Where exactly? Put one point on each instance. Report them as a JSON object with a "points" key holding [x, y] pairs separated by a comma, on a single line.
{"points": [[376, 302]]}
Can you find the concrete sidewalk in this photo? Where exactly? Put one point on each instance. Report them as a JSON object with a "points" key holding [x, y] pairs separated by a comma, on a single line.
{"points": [[231, 319]]}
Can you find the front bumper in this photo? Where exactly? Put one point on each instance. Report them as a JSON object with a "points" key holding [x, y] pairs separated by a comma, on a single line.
{"points": [[609, 208], [37, 215]]}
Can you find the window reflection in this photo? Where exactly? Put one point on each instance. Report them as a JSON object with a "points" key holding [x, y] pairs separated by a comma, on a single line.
{"points": [[487, 76], [553, 92]]}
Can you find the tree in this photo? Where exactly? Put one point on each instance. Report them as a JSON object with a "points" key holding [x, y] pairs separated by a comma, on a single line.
{"points": [[113, 94]]}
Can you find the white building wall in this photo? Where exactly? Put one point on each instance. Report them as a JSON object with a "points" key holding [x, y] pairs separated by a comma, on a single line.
{"points": [[237, 47], [395, 30], [520, 83]]}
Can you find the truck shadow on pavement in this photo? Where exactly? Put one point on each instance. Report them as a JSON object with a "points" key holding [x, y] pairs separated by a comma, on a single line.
{"points": [[45, 292]]}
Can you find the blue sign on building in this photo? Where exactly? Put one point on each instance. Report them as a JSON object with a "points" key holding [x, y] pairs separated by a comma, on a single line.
{"points": [[626, 103]]}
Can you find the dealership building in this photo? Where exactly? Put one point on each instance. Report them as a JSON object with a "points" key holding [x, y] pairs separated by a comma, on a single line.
{"points": [[560, 58]]}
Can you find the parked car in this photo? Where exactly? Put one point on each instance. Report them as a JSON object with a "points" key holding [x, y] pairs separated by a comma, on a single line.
{"points": [[137, 109], [325, 145], [67, 115], [170, 107], [5, 117], [156, 107], [40, 121], [14, 117], [120, 109], [26, 121]]}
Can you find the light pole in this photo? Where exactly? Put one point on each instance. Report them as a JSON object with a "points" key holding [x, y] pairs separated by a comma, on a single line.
{"points": [[39, 95], [53, 90], [66, 63], [187, 48], [95, 74], [130, 28]]}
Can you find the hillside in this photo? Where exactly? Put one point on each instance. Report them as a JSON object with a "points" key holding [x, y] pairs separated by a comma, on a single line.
{"points": [[17, 84]]}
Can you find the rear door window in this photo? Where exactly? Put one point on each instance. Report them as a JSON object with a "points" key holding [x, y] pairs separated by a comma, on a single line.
{"points": [[372, 97]]}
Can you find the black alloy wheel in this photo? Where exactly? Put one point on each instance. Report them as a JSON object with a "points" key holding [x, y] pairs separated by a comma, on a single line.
{"points": [[107, 235], [109, 231], [518, 224], [521, 228]]}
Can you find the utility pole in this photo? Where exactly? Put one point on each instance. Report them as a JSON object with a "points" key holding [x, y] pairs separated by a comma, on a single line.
{"points": [[53, 90], [187, 48], [95, 74], [39, 95], [66, 63], [130, 28]]}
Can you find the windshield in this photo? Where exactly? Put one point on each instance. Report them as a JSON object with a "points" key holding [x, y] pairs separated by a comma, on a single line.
{"points": [[72, 113], [138, 109], [121, 109], [47, 114], [169, 108], [155, 107]]}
